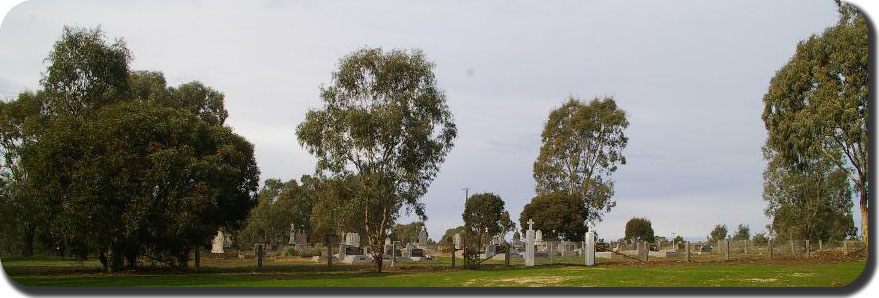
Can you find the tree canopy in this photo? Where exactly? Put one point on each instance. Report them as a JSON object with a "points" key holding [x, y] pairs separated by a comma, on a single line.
{"points": [[639, 229], [743, 232], [813, 202], [124, 166], [718, 233], [384, 122], [557, 215], [817, 103], [582, 148]]}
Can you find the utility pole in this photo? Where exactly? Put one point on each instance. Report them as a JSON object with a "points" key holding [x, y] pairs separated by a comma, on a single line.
{"points": [[466, 194]]}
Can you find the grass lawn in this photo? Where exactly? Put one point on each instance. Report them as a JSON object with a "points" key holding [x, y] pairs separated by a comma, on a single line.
{"points": [[66, 272]]}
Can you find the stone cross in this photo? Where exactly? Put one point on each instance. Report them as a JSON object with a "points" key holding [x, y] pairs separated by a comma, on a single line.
{"points": [[529, 244]]}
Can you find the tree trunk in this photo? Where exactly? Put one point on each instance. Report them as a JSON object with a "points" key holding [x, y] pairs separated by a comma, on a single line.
{"points": [[102, 256], [865, 223], [29, 232]]}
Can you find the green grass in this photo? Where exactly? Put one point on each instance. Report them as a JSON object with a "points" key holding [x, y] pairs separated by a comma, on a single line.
{"points": [[65, 272]]}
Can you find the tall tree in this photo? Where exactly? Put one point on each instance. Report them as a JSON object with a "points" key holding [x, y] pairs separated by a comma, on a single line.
{"points": [[817, 103], [743, 232], [639, 229], [20, 123], [120, 169], [557, 215], [719, 233], [485, 217], [808, 201], [582, 148], [135, 178], [384, 122]]}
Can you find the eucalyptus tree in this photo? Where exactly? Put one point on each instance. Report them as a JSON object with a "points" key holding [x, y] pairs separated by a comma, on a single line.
{"points": [[808, 201], [485, 216], [139, 179], [125, 166], [639, 229], [817, 103], [20, 122], [558, 215], [582, 148], [385, 123]]}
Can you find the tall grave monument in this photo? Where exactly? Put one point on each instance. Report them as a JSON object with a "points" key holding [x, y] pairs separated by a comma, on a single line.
{"points": [[529, 244]]}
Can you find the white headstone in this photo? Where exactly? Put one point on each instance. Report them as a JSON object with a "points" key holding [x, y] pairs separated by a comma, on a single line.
{"points": [[352, 239], [529, 245], [589, 250], [217, 243], [292, 234]]}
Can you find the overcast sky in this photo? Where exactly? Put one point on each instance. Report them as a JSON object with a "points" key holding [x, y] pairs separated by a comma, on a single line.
{"points": [[689, 74]]}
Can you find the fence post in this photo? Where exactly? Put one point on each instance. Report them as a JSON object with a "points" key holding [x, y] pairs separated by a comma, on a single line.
{"points": [[507, 256], [793, 251], [845, 247], [726, 243], [394, 254], [688, 251], [820, 245], [770, 250], [745, 245], [646, 251]]}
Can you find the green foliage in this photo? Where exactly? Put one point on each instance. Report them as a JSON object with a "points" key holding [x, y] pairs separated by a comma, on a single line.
{"points": [[743, 232], [85, 72], [809, 202], [407, 233], [760, 239], [384, 123], [582, 148], [20, 125], [448, 236], [136, 177], [719, 233], [485, 217], [639, 229], [335, 210], [556, 215], [817, 103], [118, 166], [280, 204]]}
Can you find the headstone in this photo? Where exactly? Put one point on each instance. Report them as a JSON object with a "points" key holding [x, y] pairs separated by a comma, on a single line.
{"points": [[217, 243], [538, 238], [301, 239], [457, 240], [589, 248], [687, 247], [352, 239], [292, 234], [529, 244]]}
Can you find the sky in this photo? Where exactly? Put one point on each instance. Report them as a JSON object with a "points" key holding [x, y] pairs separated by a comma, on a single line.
{"points": [[689, 74]]}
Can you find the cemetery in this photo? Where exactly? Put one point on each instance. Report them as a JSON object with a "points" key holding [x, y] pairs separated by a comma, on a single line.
{"points": [[116, 176]]}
